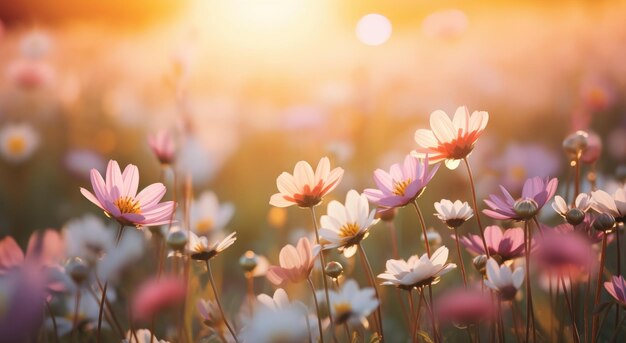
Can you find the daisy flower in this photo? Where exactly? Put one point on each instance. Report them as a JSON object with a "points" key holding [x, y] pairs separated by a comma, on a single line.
{"points": [[345, 226], [576, 214], [603, 202], [207, 216], [417, 271], [502, 280], [453, 214], [18, 142], [305, 188], [200, 249], [88, 238], [163, 146], [450, 140], [296, 263], [352, 305], [118, 198], [402, 184], [268, 325], [535, 193]]}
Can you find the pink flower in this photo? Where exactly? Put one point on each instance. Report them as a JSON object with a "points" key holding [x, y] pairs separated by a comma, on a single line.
{"points": [[30, 75], [296, 263], [163, 147], [44, 249], [535, 190], [156, 295], [563, 253], [508, 245], [465, 307], [617, 288], [118, 197], [450, 140], [402, 184], [305, 188]]}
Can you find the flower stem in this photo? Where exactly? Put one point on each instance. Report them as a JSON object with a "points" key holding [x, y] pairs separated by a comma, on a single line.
{"points": [[75, 318], [217, 300], [458, 251], [370, 275], [317, 309], [575, 334], [475, 205], [423, 224], [412, 323], [596, 299], [54, 322], [324, 281], [530, 316], [394, 239], [106, 285]]}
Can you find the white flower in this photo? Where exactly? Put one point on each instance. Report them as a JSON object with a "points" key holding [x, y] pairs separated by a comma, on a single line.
{"points": [[201, 249], [127, 252], [615, 205], [453, 214], [279, 301], [269, 325], [352, 305], [344, 227], [143, 336], [88, 238], [504, 281], [417, 271], [207, 216], [18, 142], [583, 202]]}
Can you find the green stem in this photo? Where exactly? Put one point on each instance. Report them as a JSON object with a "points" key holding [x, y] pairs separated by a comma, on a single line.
{"points": [[217, 300], [475, 205], [423, 224], [370, 276], [104, 289]]}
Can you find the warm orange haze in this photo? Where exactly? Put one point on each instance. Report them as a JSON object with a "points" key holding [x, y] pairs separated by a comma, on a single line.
{"points": [[312, 171]]}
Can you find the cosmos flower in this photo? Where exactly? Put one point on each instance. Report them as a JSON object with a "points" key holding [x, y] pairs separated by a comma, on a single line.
{"points": [[209, 312], [305, 188], [617, 289], [573, 214], [502, 280], [464, 307], [200, 249], [603, 202], [402, 184], [88, 237], [453, 214], [45, 249], [118, 198], [417, 271], [268, 325], [158, 294], [450, 140], [278, 301], [18, 142], [508, 244], [207, 216], [296, 263], [352, 305], [536, 191], [121, 257], [163, 146], [30, 75], [345, 226], [563, 253]]}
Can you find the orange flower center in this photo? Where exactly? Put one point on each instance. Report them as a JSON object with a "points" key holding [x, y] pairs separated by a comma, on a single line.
{"points": [[127, 205], [348, 230], [459, 147], [204, 226], [343, 310], [399, 187], [16, 145]]}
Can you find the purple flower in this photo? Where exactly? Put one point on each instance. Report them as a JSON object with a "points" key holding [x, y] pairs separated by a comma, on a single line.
{"points": [[403, 184], [508, 244], [536, 190], [617, 288]]}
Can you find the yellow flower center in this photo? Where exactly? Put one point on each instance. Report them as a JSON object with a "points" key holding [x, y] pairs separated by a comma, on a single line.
{"points": [[343, 310], [204, 226], [349, 230], [399, 187], [127, 205], [16, 145]]}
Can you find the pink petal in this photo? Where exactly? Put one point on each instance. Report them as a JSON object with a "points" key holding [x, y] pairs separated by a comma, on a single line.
{"points": [[151, 195], [131, 180]]}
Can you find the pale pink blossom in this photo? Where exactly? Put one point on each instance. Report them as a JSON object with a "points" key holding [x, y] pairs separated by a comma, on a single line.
{"points": [[118, 198], [508, 244], [465, 307], [163, 146], [536, 190], [156, 295], [296, 263]]}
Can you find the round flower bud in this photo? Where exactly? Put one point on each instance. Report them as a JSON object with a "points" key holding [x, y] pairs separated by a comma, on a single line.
{"points": [[77, 269], [248, 261], [575, 216], [526, 209], [177, 240], [604, 222], [386, 214], [575, 143], [480, 263], [592, 152], [333, 269]]}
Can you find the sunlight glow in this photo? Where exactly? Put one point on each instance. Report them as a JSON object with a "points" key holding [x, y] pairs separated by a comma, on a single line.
{"points": [[373, 29]]}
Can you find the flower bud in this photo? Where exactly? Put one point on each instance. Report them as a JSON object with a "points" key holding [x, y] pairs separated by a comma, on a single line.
{"points": [[592, 152], [248, 261], [77, 269], [575, 216], [526, 209], [333, 269], [604, 222], [177, 240], [480, 263], [575, 143]]}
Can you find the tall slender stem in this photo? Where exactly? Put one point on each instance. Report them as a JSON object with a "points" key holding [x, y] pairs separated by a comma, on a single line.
{"points": [[412, 323], [617, 330], [54, 322], [324, 281], [577, 178], [423, 224], [75, 318], [596, 299], [530, 316], [394, 239], [475, 205], [458, 251], [575, 335], [217, 300], [370, 276], [104, 289], [317, 309]]}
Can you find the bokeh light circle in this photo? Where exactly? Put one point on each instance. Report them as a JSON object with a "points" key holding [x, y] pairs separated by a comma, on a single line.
{"points": [[373, 29]]}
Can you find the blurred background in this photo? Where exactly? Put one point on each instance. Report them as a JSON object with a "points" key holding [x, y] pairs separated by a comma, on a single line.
{"points": [[249, 87]]}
